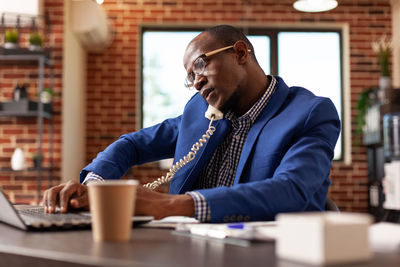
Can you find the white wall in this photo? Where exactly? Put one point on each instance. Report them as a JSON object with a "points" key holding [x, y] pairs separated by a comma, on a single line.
{"points": [[73, 102]]}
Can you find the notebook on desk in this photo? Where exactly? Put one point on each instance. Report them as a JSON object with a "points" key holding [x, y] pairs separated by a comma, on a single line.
{"points": [[28, 217]]}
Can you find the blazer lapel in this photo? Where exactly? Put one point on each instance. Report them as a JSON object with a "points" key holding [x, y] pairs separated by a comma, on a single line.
{"points": [[203, 155], [271, 108]]}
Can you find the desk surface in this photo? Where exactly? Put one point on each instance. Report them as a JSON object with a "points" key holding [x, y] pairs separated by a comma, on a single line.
{"points": [[148, 247]]}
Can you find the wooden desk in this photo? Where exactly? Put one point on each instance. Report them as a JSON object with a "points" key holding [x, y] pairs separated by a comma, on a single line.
{"points": [[148, 247]]}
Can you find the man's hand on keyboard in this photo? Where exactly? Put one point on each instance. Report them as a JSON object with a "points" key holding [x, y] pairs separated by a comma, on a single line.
{"points": [[66, 195]]}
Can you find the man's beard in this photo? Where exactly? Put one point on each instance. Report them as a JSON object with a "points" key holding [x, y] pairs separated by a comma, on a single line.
{"points": [[230, 104]]}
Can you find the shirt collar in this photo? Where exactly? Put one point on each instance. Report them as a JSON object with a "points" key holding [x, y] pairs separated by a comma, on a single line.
{"points": [[256, 109]]}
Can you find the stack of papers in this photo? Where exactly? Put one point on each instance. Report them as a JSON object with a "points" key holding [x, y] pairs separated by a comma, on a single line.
{"points": [[170, 222], [235, 233]]}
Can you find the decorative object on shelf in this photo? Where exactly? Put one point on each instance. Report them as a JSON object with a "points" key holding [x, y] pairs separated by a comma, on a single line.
{"points": [[37, 160], [365, 100], [11, 39], [383, 48], [46, 96], [25, 33], [35, 41], [385, 83], [20, 93], [18, 160]]}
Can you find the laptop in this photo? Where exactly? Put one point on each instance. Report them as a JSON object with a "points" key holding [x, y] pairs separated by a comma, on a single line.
{"points": [[29, 217]]}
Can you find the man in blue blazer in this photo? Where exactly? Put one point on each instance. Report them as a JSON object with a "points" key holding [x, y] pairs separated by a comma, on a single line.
{"points": [[270, 152]]}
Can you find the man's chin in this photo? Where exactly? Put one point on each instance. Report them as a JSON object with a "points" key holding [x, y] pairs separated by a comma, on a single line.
{"points": [[217, 105]]}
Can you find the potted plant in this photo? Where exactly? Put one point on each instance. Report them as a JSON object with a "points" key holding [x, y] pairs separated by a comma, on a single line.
{"points": [[363, 103], [46, 96], [383, 49], [37, 160], [11, 39], [35, 41]]}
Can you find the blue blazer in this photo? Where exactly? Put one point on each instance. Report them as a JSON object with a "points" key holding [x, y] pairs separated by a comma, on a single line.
{"points": [[284, 165]]}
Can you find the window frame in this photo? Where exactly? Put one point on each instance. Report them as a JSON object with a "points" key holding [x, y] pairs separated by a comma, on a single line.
{"points": [[272, 32]]}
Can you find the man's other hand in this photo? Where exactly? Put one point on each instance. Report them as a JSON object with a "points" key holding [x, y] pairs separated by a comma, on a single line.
{"points": [[161, 205], [67, 195]]}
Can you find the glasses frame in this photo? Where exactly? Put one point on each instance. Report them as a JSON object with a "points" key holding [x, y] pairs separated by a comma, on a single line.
{"points": [[190, 84]]}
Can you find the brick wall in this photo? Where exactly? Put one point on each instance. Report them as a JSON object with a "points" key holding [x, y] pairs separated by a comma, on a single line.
{"points": [[15, 132]]}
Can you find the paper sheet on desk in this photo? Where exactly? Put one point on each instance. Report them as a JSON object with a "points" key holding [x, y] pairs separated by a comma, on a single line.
{"points": [[385, 237], [252, 231], [170, 222]]}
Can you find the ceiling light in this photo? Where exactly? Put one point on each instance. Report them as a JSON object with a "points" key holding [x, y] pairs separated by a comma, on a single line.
{"points": [[99, 2], [315, 5]]}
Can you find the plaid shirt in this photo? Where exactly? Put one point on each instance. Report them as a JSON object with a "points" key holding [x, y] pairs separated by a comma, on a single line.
{"points": [[221, 169]]}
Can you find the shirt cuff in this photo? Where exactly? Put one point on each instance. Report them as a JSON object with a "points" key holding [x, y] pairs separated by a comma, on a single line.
{"points": [[92, 177], [201, 208]]}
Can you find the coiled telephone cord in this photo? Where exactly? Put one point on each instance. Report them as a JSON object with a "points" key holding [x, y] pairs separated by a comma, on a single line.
{"points": [[186, 159]]}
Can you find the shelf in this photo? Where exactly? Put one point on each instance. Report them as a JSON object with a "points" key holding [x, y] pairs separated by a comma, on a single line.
{"points": [[24, 108], [28, 108], [23, 53], [25, 170], [27, 114]]}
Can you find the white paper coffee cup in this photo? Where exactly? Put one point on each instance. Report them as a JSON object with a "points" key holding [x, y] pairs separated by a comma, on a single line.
{"points": [[112, 205]]}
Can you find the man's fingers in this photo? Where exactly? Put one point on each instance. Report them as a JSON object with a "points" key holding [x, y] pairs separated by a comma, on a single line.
{"points": [[51, 197], [80, 202], [65, 195], [44, 201], [70, 193], [73, 190]]}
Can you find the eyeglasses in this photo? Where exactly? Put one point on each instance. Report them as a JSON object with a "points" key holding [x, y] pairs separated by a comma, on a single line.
{"points": [[199, 65]]}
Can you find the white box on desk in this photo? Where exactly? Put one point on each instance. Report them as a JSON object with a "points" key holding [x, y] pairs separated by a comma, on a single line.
{"points": [[323, 237]]}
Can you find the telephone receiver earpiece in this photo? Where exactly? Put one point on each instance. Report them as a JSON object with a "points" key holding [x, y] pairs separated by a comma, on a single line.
{"points": [[213, 112]]}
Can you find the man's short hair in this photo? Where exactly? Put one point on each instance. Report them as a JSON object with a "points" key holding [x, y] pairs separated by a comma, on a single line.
{"points": [[228, 35]]}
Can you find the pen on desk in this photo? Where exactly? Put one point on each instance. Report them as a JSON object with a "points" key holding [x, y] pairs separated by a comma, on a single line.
{"points": [[236, 225]]}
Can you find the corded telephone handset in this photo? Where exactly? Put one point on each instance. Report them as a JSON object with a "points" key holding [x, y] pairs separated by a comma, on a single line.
{"points": [[212, 114]]}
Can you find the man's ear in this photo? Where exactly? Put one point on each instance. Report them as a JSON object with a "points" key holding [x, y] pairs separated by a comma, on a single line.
{"points": [[242, 51]]}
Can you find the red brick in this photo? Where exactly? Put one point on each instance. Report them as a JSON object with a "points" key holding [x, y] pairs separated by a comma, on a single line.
{"points": [[12, 187], [4, 178]]}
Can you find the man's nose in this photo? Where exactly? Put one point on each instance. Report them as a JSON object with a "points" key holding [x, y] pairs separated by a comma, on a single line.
{"points": [[199, 81]]}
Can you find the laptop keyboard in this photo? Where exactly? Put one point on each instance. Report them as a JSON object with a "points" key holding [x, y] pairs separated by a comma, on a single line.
{"points": [[36, 217]]}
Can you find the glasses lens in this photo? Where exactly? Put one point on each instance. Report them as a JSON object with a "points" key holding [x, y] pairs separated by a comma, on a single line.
{"points": [[198, 68], [188, 84], [189, 80], [199, 65]]}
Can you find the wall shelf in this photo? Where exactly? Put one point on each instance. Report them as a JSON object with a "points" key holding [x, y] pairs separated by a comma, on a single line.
{"points": [[25, 170], [25, 52], [24, 108], [32, 109]]}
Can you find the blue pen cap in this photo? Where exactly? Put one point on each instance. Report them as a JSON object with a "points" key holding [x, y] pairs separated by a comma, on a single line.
{"points": [[236, 225]]}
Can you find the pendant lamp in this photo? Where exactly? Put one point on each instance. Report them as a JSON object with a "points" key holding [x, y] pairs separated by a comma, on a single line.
{"points": [[314, 5]]}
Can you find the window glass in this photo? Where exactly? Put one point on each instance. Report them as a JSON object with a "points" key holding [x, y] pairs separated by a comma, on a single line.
{"points": [[164, 93], [261, 47], [312, 60]]}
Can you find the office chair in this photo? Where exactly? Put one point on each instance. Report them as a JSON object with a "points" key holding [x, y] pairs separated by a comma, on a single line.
{"points": [[330, 205]]}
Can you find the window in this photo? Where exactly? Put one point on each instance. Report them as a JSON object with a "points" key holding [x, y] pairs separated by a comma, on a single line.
{"points": [[311, 59], [163, 92], [26, 7]]}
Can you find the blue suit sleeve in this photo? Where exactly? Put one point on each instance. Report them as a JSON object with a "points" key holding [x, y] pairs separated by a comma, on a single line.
{"points": [[149, 144]]}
